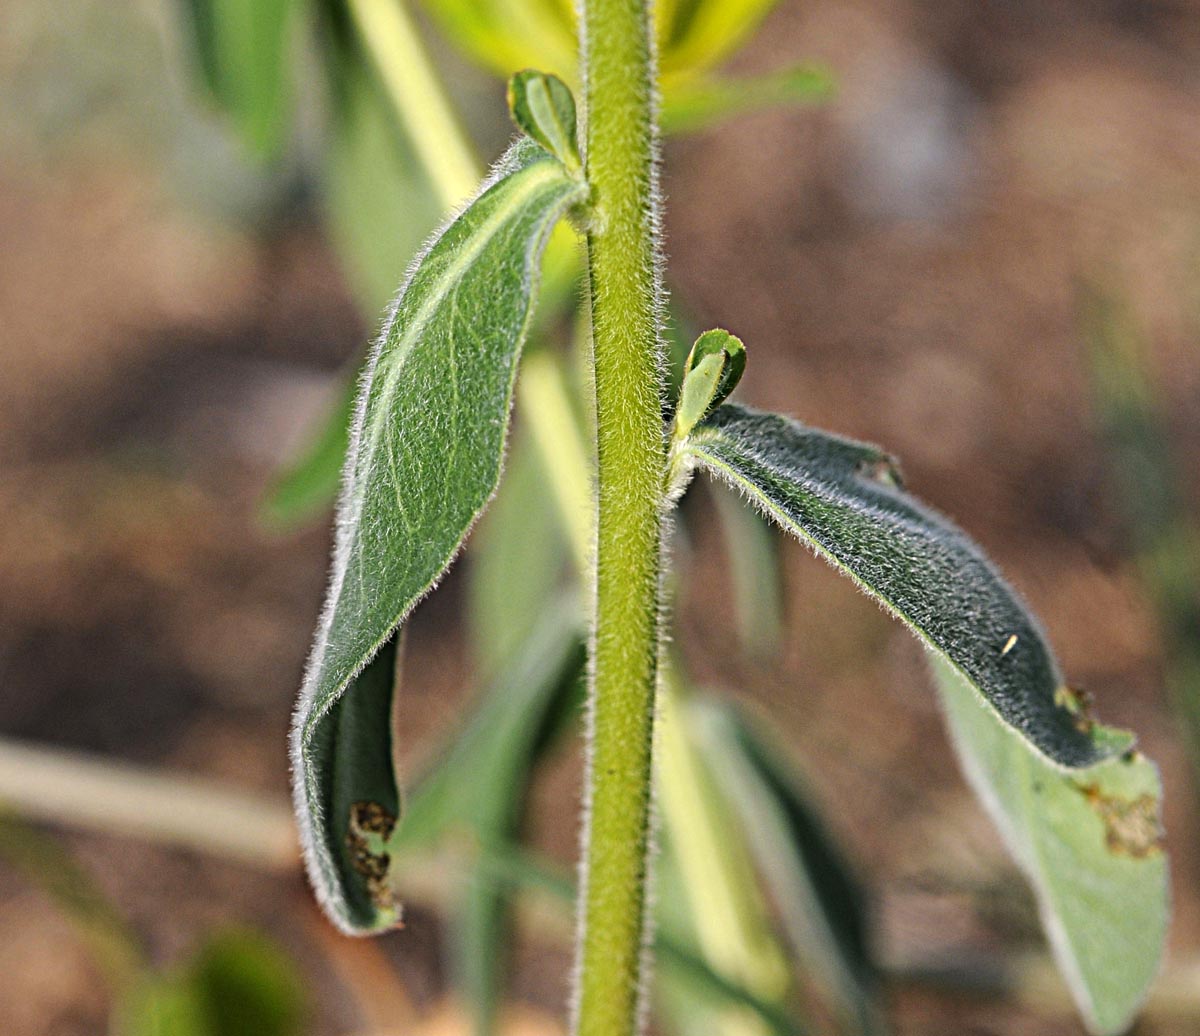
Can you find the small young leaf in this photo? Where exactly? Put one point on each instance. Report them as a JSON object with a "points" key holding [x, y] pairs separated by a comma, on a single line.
{"points": [[843, 499], [424, 459], [544, 110], [694, 106], [713, 368], [1091, 845]]}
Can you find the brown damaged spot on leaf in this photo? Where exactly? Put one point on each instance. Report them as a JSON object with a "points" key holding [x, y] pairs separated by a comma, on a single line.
{"points": [[1131, 826], [884, 468], [1078, 703], [370, 827]]}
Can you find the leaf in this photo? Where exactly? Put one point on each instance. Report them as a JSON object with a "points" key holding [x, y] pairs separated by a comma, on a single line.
{"points": [[238, 983], [756, 570], [819, 900], [1090, 843], [306, 486], [703, 33], [370, 157], [424, 459], [707, 885], [713, 368], [517, 559], [476, 776], [242, 49], [696, 105], [511, 865], [477, 789], [507, 35], [544, 110], [844, 500]]}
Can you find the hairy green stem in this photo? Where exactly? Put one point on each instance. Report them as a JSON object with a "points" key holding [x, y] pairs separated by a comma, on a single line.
{"points": [[623, 266]]}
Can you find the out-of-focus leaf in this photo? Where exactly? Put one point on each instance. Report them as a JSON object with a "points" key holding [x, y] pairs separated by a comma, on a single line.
{"points": [[518, 557], [819, 900], [1163, 533], [508, 35], [424, 459], [478, 788], [306, 487], [510, 865], [239, 983], [698, 104], [242, 49], [710, 873], [703, 33], [42, 861], [544, 110], [380, 203], [1090, 842], [843, 499], [488, 758], [756, 571]]}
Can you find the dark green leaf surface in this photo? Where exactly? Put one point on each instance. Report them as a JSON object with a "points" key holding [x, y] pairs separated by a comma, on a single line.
{"points": [[820, 902], [1090, 842], [424, 459], [844, 500]]}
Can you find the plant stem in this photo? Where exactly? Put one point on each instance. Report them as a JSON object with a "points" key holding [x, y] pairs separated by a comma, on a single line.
{"points": [[623, 264]]}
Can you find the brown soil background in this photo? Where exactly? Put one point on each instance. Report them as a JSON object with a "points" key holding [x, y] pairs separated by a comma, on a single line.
{"points": [[904, 266]]}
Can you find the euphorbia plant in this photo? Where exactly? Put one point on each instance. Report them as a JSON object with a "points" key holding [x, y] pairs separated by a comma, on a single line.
{"points": [[1077, 803]]}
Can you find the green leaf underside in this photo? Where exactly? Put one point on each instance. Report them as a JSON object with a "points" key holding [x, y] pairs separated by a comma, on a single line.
{"points": [[1089, 842], [842, 498], [425, 457]]}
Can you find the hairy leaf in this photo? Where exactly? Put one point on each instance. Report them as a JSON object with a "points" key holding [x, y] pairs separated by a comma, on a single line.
{"points": [[1090, 842], [424, 459], [820, 902], [844, 500], [544, 110], [713, 368]]}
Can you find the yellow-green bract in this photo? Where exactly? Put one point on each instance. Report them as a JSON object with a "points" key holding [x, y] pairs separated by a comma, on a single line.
{"points": [[425, 457]]}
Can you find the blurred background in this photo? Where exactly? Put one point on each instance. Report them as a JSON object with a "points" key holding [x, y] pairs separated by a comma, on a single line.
{"points": [[978, 245]]}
